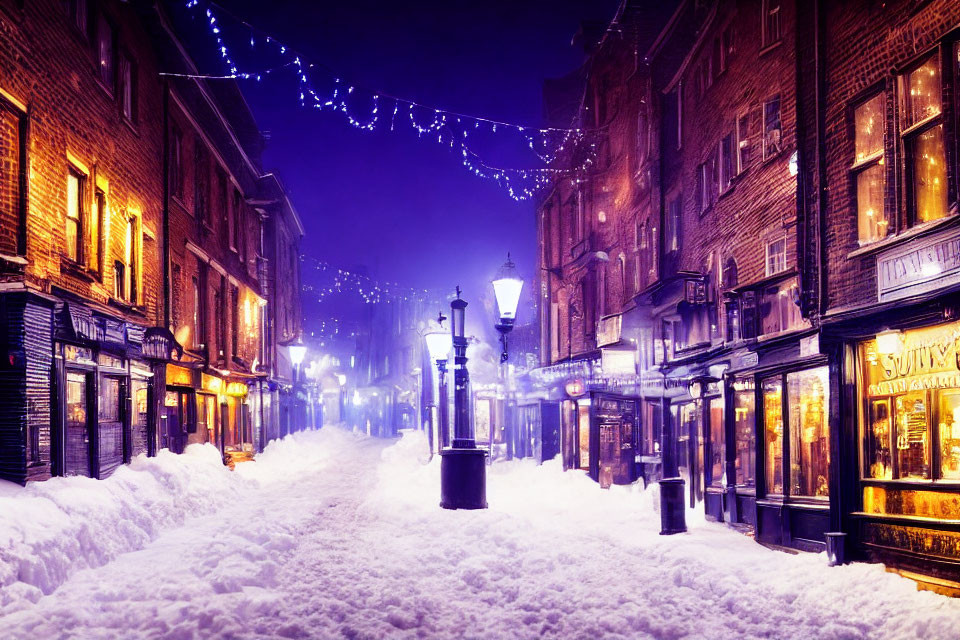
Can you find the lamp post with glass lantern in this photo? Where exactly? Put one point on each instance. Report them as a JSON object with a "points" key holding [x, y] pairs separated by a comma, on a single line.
{"points": [[506, 288], [439, 343], [463, 473]]}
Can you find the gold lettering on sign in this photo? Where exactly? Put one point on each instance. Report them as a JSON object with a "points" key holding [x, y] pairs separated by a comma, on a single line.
{"points": [[929, 359]]}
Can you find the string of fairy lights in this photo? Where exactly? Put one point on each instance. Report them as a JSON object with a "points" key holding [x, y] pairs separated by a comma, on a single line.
{"points": [[370, 291], [368, 110]]}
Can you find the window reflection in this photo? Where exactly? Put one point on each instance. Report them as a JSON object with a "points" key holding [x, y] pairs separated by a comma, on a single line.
{"points": [[929, 175]]}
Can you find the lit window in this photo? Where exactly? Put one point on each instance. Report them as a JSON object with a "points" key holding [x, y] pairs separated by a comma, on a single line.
{"points": [[74, 227], [809, 428], [872, 222], [923, 141], [744, 405], [772, 390], [132, 257], [743, 142], [777, 256]]}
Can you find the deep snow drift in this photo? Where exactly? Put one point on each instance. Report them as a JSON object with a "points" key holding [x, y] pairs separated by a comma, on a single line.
{"points": [[332, 534]]}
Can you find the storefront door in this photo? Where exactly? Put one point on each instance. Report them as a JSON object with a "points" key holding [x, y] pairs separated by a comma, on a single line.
{"points": [[616, 422], [111, 423], [76, 460]]}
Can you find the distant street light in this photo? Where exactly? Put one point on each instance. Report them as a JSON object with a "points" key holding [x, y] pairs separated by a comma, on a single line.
{"points": [[506, 287], [463, 472], [439, 344]]}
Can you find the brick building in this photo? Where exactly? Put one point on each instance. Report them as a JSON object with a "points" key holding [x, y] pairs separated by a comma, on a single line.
{"points": [[753, 287], [131, 254]]}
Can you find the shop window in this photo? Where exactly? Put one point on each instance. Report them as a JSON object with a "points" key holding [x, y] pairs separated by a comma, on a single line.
{"points": [[771, 22], [744, 405], [652, 427], [869, 171], [923, 141], [949, 434], [74, 225], [809, 432], [772, 131], [718, 454], [772, 390], [105, 52]]}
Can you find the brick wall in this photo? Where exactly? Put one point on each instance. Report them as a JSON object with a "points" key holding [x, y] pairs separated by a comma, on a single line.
{"points": [[866, 40], [48, 66]]}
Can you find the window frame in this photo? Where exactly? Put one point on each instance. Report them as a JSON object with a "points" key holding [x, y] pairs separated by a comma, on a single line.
{"points": [[768, 153], [767, 254], [106, 71], [767, 11], [127, 81], [859, 166], [908, 134], [82, 178], [21, 151]]}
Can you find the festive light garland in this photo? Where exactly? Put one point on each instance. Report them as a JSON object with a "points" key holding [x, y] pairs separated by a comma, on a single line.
{"points": [[369, 290], [450, 128]]}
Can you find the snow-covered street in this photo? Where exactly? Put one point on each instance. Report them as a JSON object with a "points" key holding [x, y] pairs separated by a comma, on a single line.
{"points": [[331, 534]]}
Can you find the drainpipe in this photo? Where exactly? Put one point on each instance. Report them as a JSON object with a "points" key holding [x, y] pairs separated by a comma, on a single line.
{"points": [[819, 27], [166, 204]]}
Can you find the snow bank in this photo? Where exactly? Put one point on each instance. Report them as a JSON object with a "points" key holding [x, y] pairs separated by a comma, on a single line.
{"points": [[50, 530]]}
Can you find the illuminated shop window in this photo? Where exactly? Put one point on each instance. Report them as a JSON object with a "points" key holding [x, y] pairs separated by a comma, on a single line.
{"points": [[809, 432], [744, 406], [911, 426], [772, 389], [718, 450], [872, 221], [923, 141]]}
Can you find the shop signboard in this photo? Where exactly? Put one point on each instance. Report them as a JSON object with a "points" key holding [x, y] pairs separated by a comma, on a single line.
{"points": [[920, 265], [179, 376], [927, 359], [618, 362]]}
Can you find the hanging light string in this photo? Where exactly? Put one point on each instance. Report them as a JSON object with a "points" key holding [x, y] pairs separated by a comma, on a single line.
{"points": [[449, 128], [369, 290]]}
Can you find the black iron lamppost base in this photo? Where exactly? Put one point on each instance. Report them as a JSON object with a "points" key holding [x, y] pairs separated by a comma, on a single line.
{"points": [[673, 516], [463, 479]]}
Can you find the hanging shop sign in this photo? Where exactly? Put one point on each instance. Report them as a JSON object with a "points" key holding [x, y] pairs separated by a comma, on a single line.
{"points": [[609, 330], [920, 265], [924, 359]]}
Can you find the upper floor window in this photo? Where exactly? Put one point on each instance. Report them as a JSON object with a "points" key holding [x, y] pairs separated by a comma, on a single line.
{"points": [[235, 313], [176, 162], [777, 256], [923, 141], [201, 186], [726, 47], [99, 223], [672, 227], [726, 165], [869, 170], [771, 22], [132, 258], [13, 178], [772, 130], [744, 155], [233, 221], [199, 326], [79, 14], [76, 182], [128, 87], [105, 52]]}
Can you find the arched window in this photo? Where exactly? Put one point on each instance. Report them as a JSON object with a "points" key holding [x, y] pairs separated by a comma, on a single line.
{"points": [[730, 274]]}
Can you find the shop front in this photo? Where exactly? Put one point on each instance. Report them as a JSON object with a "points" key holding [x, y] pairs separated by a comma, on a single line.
{"points": [[908, 432]]}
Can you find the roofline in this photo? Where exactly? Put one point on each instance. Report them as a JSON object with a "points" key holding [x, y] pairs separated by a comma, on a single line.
{"points": [[666, 31], [286, 198]]}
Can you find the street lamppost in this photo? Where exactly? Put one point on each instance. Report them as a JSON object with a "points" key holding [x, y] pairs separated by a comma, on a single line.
{"points": [[298, 352], [463, 471], [439, 343], [506, 287]]}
